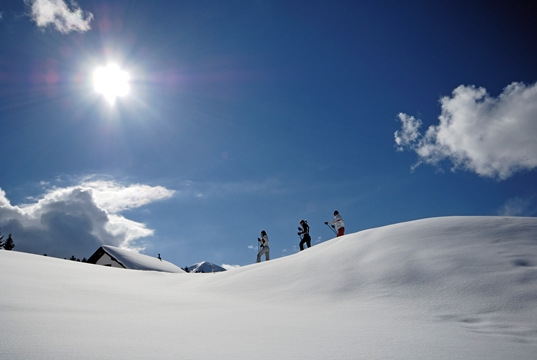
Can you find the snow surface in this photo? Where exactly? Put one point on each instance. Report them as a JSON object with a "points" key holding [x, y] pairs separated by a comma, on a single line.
{"points": [[442, 288], [136, 261]]}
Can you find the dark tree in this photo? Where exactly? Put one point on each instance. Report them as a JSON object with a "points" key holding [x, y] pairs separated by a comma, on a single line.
{"points": [[1, 240], [72, 258], [9, 244]]}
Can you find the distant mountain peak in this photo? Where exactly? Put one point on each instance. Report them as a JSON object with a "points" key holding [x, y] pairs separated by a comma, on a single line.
{"points": [[205, 267]]}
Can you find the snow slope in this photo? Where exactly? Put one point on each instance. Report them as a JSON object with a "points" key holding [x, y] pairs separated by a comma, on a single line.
{"points": [[442, 288]]}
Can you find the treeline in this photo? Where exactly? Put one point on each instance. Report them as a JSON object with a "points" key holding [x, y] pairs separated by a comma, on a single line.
{"points": [[7, 244], [73, 258], [199, 272]]}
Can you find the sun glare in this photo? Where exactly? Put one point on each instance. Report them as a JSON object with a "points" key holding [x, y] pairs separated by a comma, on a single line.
{"points": [[111, 82]]}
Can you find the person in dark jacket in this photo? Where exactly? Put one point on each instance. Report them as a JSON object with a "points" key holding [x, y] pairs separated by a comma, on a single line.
{"points": [[304, 232]]}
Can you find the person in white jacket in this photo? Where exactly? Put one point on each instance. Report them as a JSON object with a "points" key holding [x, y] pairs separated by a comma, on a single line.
{"points": [[264, 247], [337, 223]]}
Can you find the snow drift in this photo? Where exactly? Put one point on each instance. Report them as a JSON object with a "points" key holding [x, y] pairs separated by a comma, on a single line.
{"points": [[455, 287]]}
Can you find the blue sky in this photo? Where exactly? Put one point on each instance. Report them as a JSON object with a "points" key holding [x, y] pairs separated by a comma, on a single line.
{"points": [[251, 115]]}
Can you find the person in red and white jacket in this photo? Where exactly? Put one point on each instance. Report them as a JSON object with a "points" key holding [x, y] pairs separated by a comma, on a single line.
{"points": [[337, 223]]}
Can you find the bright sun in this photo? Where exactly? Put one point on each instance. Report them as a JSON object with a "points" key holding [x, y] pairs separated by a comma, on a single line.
{"points": [[111, 81]]}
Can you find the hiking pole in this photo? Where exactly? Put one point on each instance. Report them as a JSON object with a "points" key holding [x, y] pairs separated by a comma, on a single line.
{"points": [[258, 242], [331, 228]]}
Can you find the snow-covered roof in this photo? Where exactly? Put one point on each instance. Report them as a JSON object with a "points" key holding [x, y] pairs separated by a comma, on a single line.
{"points": [[136, 261]]}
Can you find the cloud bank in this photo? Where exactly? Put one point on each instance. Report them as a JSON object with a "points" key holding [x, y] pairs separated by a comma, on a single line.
{"points": [[493, 137], [77, 220], [58, 14]]}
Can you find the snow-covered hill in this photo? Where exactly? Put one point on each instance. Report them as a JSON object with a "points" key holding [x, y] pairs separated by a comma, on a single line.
{"points": [[442, 288], [205, 267]]}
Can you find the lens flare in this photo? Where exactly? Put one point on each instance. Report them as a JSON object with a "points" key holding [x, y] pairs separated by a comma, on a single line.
{"points": [[111, 82]]}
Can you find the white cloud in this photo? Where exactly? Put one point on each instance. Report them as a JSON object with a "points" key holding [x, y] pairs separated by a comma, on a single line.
{"points": [[115, 197], [58, 14], [78, 219], [230, 267], [493, 137], [409, 131], [518, 207], [210, 190]]}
